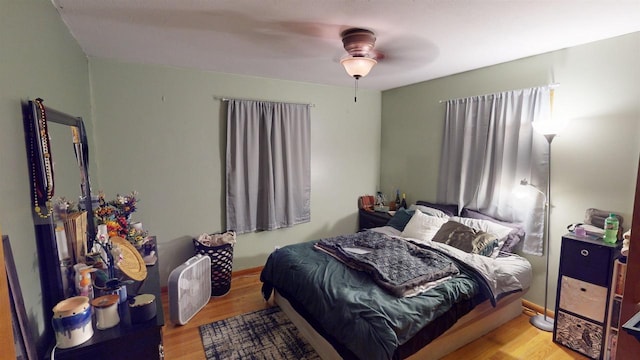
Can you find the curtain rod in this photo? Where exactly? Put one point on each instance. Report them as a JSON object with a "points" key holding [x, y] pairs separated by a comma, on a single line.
{"points": [[552, 86], [279, 102]]}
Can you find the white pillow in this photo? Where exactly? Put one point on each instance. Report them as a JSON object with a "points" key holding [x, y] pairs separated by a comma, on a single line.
{"points": [[500, 231], [429, 211], [423, 227]]}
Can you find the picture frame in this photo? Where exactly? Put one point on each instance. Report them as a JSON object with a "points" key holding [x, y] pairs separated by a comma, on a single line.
{"points": [[23, 339]]}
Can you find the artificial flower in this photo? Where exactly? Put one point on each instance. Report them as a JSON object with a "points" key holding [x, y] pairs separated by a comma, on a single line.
{"points": [[116, 214]]}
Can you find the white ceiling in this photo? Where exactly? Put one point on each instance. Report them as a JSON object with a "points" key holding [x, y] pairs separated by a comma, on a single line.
{"points": [[300, 39]]}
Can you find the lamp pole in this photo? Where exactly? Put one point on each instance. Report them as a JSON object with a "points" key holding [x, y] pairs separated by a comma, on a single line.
{"points": [[542, 322]]}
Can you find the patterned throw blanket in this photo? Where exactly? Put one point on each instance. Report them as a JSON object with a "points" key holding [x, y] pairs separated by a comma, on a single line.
{"points": [[395, 264]]}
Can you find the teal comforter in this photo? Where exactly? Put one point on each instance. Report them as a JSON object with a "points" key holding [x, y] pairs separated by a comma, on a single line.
{"points": [[367, 320]]}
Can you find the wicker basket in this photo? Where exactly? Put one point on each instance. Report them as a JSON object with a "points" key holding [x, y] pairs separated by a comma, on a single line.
{"points": [[221, 265]]}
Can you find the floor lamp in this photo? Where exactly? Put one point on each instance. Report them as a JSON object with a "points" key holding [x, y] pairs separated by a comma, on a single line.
{"points": [[542, 321]]}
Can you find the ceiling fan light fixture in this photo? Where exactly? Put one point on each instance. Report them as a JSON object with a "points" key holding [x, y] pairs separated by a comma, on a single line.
{"points": [[358, 66]]}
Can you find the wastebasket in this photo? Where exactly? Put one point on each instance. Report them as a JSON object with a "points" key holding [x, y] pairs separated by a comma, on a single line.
{"points": [[219, 248]]}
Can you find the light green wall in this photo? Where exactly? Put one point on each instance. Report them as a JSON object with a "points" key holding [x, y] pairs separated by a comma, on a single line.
{"points": [[38, 58], [594, 161], [160, 131]]}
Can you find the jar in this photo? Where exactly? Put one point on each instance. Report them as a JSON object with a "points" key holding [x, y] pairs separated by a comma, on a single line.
{"points": [[106, 308], [72, 321], [142, 308]]}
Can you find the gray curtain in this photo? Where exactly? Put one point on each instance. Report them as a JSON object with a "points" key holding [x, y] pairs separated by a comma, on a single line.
{"points": [[488, 147], [267, 165]]}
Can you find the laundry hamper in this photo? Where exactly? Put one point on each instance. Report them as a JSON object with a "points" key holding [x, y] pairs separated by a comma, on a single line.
{"points": [[219, 248]]}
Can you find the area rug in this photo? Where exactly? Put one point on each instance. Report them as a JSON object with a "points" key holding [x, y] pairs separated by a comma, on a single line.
{"points": [[260, 335]]}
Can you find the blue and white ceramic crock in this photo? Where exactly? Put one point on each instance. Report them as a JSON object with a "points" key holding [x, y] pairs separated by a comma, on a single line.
{"points": [[72, 322]]}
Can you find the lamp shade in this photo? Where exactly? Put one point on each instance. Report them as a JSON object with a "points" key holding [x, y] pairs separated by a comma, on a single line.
{"points": [[358, 66], [548, 127]]}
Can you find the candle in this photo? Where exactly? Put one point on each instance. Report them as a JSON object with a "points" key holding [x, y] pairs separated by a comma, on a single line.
{"points": [[61, 241]]}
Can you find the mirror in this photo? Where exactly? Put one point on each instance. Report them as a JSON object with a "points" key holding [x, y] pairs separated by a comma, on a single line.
{"points": [[57, 151], [67, 177]]}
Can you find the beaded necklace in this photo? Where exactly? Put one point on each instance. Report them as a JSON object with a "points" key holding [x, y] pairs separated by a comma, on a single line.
{"points": [[42, 192]]}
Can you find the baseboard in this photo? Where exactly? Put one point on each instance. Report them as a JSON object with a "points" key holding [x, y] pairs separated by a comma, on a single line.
{"points": [[249, 271], [536, 309]]}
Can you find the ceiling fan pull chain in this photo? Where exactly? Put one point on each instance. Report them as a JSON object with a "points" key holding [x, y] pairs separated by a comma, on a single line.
{"points": [[355, 92]]}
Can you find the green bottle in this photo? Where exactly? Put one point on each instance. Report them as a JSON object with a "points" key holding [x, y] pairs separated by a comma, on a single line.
{"points": [[611, 225]]}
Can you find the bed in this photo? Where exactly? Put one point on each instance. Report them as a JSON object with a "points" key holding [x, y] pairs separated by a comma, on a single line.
{"points": [[356, 310]]}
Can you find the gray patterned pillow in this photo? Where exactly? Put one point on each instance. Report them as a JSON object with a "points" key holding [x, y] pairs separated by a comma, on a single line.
{"points": [[512, 240], [466, 239]]}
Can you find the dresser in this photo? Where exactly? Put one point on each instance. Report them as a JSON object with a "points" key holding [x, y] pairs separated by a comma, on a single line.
{"points": [[126, 340], [372, 219], [584, 290]]}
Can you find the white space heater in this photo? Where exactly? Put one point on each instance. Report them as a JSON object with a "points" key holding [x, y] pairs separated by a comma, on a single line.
{"points": [[189, 288]]}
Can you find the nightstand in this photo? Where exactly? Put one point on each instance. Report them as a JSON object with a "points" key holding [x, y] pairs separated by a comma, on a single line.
{"points": [[371, 219], [582, 299]]}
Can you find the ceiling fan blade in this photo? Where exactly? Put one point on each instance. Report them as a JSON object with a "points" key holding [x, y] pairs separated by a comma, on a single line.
{"points": [[414, 50], [379, 55]]}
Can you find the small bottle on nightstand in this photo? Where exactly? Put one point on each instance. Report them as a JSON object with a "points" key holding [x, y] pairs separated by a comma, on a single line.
{"points": [[611, 225], [403, 204]]}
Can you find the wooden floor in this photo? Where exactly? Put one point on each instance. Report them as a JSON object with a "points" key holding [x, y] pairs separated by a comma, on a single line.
{"points": [[516, 339]]}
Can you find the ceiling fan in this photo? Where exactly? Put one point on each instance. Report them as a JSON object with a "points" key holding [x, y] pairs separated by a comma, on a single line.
{"points": [[359, 44]]}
